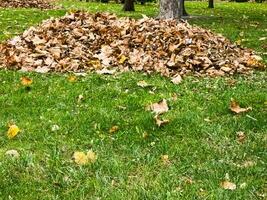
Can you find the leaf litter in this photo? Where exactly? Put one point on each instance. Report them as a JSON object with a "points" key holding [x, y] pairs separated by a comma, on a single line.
{"points": [[81, 42], [41, 4]]}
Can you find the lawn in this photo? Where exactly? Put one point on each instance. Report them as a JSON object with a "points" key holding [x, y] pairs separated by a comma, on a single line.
{"points": [[200, 140]]}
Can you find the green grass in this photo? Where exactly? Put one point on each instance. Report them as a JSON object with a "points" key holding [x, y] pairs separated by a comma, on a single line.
{"points": [[129, 166]]}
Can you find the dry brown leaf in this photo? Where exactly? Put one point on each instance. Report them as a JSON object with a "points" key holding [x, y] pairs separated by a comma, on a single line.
{"points": [[113, 129], [177, 79], [235, 107], [160, 107], [241, 136], [227, 185], [160, 122]]}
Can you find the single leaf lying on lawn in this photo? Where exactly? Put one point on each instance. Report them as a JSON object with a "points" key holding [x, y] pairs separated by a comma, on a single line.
{"points": [[26, 81], [113, 129], [160, 107], [106, 71], [165, 159], [72, 78], [12, 131], [142, 84], [177, 79], [12, 153], [240, 136], [81, 158], [227, 185], [160, 122], [234, 107], [91, 156]]}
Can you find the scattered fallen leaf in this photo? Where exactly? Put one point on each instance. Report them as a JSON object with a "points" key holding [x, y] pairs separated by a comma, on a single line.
{"points": [[13, 153], [227, 185], [263, 38], [106, 71], [26, 81], [123, 58], [234, 107], [240, 136], [92, 157], [160, 122], [177, 79], [160, 107], [243, 185], [72, 78], [80, 98], [113, 129], [165, 159], [145, 135], [80, 158], [55, 128], [12, 131], [142, 84]]}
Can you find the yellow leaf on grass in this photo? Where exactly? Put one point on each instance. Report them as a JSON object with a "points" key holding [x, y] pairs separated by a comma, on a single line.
{"points": [[26, 81], [80, 158], [12, 131], [113, 129], [227, 185], [234, 107], [72, 78], [91, 156]]}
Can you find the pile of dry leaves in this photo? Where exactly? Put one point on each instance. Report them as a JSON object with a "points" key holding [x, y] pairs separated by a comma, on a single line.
{"points": [[41, 4], [82, 42]]}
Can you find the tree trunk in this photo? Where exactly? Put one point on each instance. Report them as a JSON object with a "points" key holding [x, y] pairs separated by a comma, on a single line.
{"points": [[184, 13], [211, 3], [169, 9], [128, 5]]}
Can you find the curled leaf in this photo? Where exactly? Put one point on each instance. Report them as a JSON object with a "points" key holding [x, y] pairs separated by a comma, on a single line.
{"points": [[235, 107], [91, 156]]}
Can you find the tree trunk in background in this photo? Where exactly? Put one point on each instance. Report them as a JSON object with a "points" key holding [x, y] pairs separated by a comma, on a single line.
{"points": [[184, 13], [211, 3], [128, 5], [168, 9]]}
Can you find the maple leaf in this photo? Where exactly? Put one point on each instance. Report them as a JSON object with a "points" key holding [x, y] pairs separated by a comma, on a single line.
{"points": [[26, 81], [160, 107], [235, 107], [12, 131]]}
